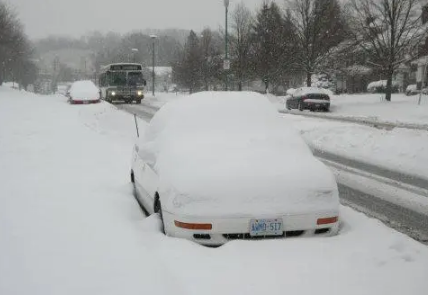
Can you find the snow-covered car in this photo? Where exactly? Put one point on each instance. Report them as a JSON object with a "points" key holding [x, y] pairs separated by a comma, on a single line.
{"points": [[309, 98], [83, 92], [412, 89], [224, 166], [380, 86]]}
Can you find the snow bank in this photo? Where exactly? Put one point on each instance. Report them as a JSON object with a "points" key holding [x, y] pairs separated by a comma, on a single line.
{"points": [[401, 108], [84, 90], [366, 258], [398, 149], [68, 221], [231, 151], [69, 224]]}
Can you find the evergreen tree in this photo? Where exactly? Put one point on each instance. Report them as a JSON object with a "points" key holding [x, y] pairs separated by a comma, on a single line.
{"points": [[272, 48], [187, 72]]}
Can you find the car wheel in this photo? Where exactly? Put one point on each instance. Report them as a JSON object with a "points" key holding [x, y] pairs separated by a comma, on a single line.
{"points": [[300, 106], [157, 208], [132, 177]]}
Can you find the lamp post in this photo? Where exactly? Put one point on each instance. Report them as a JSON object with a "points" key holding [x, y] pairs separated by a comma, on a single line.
{"points": [[153, 37], [226, 64]]}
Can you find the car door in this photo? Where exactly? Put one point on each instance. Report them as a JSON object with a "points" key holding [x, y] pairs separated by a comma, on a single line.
{"points": [[147, 180]]}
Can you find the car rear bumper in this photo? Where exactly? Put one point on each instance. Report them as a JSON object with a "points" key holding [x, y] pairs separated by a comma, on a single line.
{"points": [[316, 104], [83, 101], [238, 228]]}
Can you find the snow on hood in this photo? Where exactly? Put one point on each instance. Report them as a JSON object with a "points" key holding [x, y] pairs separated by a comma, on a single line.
{"points": [[84, 90], [233, 152]]}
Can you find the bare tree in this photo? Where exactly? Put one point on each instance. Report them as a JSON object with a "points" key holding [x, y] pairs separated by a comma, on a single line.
{"points": [[388, 31], [241, 43], [318, 27]]}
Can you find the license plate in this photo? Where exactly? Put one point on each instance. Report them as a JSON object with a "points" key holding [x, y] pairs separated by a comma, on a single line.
{"points": [[266, 227]]}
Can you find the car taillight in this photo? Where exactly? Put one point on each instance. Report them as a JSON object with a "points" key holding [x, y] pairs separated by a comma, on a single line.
{"points": [[194, 226], [327, 220]]}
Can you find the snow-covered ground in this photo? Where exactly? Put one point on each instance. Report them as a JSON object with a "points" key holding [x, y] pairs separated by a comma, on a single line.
{"points": [[160, 98], [398, 149], [401, 109], [69, 224]]}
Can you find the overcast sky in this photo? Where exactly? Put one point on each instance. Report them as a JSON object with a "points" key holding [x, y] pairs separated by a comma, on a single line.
{"points": [[77, 17]]}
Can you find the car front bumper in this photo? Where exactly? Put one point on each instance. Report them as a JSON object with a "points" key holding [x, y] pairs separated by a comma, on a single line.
{"points": [[238, 228]]}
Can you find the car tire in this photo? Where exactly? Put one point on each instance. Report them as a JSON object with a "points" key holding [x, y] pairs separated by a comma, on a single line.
{"points": [[157, 208], [132, 177], [300, 106]]}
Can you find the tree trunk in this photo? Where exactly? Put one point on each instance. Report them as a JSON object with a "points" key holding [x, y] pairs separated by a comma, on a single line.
{"points": [[308, 79], [240, 86], [388, 90]]}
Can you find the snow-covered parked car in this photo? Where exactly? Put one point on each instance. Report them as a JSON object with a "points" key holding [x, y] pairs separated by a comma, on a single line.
{"points": [[83, 92], [309, 98], [380, 86], [412, 89], [224, 166]]}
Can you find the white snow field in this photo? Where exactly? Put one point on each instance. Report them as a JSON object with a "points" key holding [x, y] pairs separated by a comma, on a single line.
{"points": [[401, 109], [399, 149], [70, 225]]}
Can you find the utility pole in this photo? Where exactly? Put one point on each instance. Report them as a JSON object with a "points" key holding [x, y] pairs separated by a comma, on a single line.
{"points": [[226, 65], [153, 63]]}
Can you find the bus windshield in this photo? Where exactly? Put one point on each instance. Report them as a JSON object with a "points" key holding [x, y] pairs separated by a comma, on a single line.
{"points": [[118, 78], [135, 79]]}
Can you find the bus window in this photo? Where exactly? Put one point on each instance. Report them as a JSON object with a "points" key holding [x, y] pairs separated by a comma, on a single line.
{"points": [[135, 79], [118, 79]]}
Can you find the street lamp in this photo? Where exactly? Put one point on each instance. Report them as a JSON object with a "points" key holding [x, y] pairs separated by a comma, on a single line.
{"points": [[226, 65], [153, 37]]}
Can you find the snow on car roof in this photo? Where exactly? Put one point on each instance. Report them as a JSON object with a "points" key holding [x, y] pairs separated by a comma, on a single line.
{"points": [[84, 89], [216, 147], [314, 90]]}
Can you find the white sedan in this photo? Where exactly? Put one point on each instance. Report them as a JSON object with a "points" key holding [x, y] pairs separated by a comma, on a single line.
{"points": [[83, 92], [224, 166]]}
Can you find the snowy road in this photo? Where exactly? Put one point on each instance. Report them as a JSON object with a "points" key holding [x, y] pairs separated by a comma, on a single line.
{"points": [[69, 224], [392, 211]]}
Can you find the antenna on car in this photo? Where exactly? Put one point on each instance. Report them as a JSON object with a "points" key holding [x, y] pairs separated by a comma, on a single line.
{"points": [[136, 125]]}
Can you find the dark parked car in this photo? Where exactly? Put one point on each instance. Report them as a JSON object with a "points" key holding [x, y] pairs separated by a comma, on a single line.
{"points": [[309, 98]]}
